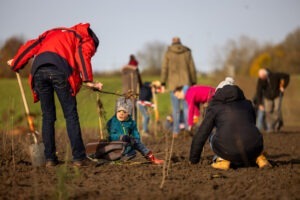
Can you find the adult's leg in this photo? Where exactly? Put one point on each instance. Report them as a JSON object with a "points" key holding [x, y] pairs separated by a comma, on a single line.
{"points": [[185, 114], [277, 114], [146, 118], [269, 108], [43, 86], [176, 113], [69, 107], [260, 119]]}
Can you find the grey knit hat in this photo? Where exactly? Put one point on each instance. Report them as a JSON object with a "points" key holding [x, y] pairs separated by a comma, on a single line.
{"points": [[227, 81], [124, 104]]}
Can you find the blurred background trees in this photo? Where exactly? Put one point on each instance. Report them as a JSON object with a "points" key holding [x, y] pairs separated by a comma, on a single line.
{"points": [[7, 51], [151, 56], [243, 56]]}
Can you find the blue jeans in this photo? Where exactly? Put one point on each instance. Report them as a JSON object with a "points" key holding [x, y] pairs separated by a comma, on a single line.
{"points": [[146, 117], [176, 103], [260, 120], [136, 144], [47, 80]]}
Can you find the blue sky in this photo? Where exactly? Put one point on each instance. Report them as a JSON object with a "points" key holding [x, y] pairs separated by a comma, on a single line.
{"points": [[125, 27]]}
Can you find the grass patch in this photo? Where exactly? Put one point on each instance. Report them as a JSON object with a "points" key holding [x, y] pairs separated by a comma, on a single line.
{"points": [[87, 108]]}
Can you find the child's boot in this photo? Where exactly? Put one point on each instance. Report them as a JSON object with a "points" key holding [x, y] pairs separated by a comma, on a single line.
{"points": [[262, 161], [154, 160], [221, 164]]}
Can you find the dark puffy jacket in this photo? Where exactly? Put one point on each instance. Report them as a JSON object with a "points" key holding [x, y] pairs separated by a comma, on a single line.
{"points": [[236, 138], [71, 49], [269, 88]]}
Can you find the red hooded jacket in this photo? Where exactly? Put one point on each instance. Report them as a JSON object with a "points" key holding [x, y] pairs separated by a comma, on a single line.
{"points": [[68, 48]]}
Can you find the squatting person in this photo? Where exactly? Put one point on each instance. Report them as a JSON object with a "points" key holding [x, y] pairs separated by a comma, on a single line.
{"points": [[236, 139]]}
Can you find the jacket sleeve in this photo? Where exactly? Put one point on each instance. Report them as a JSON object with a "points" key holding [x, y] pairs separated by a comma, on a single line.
{"points": [[201, 136], [25, 52], [286, 78], [192, 70], [164, 70], [83, 56]]}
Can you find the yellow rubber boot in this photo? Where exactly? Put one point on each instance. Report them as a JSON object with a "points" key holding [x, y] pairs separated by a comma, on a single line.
{"points": [[262, 161], [221, 164]]}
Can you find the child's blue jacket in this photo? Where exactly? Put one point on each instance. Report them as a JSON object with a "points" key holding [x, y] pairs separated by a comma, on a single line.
{"points": [[117, 128]]}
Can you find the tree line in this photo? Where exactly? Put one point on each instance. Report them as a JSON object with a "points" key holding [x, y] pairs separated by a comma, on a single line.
{"points": [[243, 56]]}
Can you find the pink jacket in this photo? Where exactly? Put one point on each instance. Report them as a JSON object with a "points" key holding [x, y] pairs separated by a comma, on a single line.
{"points": [[195, 95]]}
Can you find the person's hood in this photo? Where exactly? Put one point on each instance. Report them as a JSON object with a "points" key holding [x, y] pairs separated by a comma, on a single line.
{"points": [[82, 28], [178, 48], [228, 93], [85, 30]]}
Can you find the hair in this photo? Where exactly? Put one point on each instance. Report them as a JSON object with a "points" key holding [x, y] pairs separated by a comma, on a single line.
{"points": [[176, 40], [94, 37], [178, 89]]}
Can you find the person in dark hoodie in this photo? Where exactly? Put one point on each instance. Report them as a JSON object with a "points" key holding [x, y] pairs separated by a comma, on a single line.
{"points": [[269, 91], [178, 69], [236, 139]]}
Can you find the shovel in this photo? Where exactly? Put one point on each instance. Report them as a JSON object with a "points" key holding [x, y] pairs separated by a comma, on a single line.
{"points": [[36, 150]]}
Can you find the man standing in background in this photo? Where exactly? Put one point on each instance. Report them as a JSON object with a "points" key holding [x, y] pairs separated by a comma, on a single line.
{"points": [[178, 69], [270, 89]]}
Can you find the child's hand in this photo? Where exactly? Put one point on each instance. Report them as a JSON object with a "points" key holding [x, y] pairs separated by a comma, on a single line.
{"points": [[125, 138]]}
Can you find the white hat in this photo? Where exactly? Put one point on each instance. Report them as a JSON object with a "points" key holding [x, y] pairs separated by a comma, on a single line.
{"points": [[227, 81]]}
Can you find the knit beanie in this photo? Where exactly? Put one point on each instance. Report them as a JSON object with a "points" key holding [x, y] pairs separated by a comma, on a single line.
{"points": [[227, 81], [124, 104]]}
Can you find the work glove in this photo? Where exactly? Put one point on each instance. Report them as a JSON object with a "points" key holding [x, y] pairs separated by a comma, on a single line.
{"points": [[126, 138]]}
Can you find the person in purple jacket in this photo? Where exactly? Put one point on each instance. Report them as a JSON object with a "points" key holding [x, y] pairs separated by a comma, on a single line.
{"points": [[194, 97]]}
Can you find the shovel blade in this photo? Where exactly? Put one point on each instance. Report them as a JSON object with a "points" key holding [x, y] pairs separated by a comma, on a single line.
{"points": [[37, 156]]}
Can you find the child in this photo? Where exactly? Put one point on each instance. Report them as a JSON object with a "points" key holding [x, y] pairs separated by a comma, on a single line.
{"points": [[194, 96], [121, 127]]}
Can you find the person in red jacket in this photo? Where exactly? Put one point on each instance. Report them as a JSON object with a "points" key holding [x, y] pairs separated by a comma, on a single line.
{"points": [[62, 61]]}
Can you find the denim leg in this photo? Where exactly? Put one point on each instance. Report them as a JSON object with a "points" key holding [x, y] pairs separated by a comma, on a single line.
{"points": [[146, 118], [185, 114], [138, 145], [269, 109], [175, 112], [260, 119], [43, 86], [69, 107]]}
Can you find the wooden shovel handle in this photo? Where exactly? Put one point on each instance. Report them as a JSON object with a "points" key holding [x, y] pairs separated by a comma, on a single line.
{"points": [[28, 116]]}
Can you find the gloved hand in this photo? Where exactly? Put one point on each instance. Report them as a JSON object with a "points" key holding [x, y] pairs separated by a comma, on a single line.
{"points": [[125, 138]]}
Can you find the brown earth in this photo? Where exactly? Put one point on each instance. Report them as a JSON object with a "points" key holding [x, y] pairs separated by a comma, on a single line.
{"points": [[141, 180]]}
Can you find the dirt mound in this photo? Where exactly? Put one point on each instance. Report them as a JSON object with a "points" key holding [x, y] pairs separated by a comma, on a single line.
{"points": [[141, 180]]}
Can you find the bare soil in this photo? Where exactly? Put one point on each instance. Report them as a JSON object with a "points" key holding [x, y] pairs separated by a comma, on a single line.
{"points": [[141, 180]]}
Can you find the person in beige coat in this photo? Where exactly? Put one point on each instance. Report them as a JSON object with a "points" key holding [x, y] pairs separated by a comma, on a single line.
{"points": [[178, 69]]}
